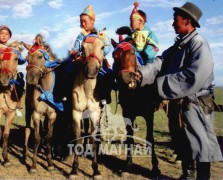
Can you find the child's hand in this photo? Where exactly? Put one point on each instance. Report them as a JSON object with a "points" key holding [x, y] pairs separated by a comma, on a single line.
{"points": [[73, 53]]}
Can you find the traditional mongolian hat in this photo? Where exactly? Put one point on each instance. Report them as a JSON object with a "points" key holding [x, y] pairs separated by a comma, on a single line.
{"points": [[135, 14], [89, 11]]}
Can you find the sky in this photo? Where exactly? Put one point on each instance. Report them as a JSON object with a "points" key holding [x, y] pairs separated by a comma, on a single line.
{"points": [[58, 22]]}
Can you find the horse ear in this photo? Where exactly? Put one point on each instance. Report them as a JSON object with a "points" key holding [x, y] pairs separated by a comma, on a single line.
{"points": [[17, 45], [114, 44], [39, 40], [27, 46]]}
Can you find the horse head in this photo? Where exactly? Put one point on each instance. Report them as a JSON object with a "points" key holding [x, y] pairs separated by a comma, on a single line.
{"points": [[93, 55], [38, 54], [9, 58], [125, 63]]}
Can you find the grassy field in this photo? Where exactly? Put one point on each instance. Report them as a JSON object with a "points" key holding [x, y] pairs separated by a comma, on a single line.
{"points": [[110, 164]]}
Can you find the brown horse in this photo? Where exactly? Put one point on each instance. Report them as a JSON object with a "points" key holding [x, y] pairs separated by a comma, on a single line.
{"points": [[9, 58], [85, 97], [135, 101], [39, 78]]}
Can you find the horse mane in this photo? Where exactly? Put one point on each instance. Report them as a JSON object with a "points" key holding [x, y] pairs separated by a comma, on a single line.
{"points": [[40, 41], [49, 51]]}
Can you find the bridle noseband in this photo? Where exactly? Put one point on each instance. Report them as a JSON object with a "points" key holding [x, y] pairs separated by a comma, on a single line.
{"points": [[92, 55]]}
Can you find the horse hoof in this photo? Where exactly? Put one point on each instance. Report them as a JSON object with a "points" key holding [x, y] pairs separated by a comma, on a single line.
{"points": [[156, 173], [33, 171], [51, 168], [97, 177], [23, 160], [178, 162], [125, 174], [7, 164], [73, 177]]}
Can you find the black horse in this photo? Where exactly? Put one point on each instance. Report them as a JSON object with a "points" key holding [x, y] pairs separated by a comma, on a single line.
{"points": [[135, 101]]}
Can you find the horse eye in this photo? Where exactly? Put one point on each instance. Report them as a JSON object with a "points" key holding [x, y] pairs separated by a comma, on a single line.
{"points": [[16, 59], [103, 47], [40, 57]]}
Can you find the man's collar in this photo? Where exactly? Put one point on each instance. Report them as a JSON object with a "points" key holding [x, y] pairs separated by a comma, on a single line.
{"points": [[182, 40]]}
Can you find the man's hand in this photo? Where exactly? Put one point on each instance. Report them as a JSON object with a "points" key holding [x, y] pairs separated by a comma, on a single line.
{"points": [[138, 76], [136, 80]]}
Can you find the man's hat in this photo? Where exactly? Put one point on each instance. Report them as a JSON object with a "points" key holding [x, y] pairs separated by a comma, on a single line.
{"points": [[7, 28], [135, 14], [192, 10], [89, 11]]}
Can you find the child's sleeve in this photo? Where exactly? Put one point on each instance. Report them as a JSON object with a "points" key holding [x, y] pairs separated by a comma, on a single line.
{"points": [[152, 47], [77, 43]]}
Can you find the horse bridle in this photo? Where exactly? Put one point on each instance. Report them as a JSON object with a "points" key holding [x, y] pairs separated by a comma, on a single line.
{"points": [[126, 46], [92, 55], [91, 39], [30, 65]]}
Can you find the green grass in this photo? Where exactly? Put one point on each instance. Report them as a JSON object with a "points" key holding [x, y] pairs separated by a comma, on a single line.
{"points": [[218, 123], [161, 130], [160, 120]]}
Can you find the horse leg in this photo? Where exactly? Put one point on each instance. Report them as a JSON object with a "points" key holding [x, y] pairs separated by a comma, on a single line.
{"points": [[51, 121], [129, 143], [0, 127], [27, 132], [86, 124], [77, 141], [150, 142], [95, 140], [36, 122], [9, 118]]}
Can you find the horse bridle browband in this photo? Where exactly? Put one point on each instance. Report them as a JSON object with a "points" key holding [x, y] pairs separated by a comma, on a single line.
{"points": [[126, 46]]}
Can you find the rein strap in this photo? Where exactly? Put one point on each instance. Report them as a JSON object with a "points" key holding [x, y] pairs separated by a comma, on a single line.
{"points": [[92, 55]]}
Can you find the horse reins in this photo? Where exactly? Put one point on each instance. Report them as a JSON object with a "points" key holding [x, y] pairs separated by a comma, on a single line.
{"points": [[43, 73]]}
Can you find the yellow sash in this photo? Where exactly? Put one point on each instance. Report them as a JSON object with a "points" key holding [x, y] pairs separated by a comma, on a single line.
{"points": [[140, 38]]}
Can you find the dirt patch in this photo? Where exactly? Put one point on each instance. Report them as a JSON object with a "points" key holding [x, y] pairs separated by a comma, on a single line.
{"points": [[110, 165]]}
